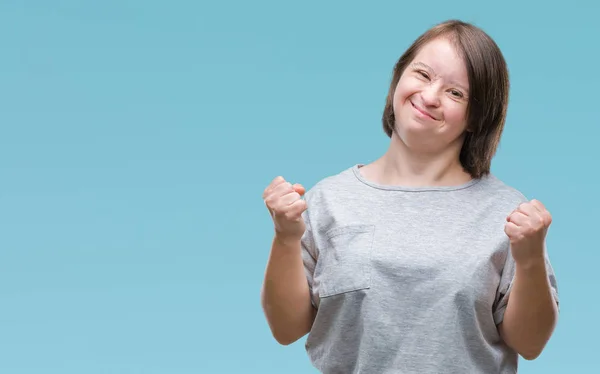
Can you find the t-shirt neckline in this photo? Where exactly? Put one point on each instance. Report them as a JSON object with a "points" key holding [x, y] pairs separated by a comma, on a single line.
{"points": [[359, 176]]}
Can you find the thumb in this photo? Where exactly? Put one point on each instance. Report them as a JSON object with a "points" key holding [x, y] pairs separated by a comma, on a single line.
{"points": [[299, 189]]}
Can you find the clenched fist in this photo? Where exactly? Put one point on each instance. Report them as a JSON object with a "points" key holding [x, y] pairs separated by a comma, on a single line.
{"points": [[526, 228], [286, 206]]}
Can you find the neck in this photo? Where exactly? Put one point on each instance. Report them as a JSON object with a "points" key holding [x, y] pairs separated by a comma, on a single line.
{"points": [[401, 165]]}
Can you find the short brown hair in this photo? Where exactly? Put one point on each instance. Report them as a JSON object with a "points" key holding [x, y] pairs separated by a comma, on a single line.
{"points": [[488, 90]]}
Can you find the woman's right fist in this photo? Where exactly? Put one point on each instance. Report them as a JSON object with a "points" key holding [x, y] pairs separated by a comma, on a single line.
{"points": [[286, 206]]}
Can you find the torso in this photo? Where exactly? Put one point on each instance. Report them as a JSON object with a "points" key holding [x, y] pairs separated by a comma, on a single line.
{"points": [[407, 279]]}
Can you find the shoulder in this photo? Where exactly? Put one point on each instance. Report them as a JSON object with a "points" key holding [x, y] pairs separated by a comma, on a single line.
{"points": [[334, 198], [338, 184], [499, 192]]}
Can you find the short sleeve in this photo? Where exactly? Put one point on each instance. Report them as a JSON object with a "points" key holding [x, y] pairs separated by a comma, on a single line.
{"points": [[309, 256], [506, 283]]}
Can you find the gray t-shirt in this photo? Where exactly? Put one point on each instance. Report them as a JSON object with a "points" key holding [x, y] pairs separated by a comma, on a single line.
{"points": [[409, 280]]}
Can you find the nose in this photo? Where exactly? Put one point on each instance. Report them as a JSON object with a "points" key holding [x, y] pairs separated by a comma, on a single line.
{"points": [[430, 96]]}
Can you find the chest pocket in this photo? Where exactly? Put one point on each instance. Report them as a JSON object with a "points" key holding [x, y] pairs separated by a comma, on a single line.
{"points": [[346, 260]]}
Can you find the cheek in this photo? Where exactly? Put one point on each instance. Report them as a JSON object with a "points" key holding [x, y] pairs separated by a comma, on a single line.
{"points": [[404, 90], [456, 114]]}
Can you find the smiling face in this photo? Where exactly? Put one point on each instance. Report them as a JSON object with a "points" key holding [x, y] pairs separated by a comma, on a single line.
{"points": [[431, 98], [452, 72]]}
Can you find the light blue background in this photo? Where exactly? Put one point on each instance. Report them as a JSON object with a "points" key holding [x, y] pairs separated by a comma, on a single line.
{"points": [[137, 138]]}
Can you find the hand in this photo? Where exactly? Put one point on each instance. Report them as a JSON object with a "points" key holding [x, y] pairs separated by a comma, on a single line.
{"points": [[526, 228], [286, 206]]}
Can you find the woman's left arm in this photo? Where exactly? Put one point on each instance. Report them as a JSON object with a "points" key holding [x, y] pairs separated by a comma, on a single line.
{"points": [[532, 312]]}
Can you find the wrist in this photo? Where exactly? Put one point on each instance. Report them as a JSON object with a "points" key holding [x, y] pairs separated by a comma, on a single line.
{"points": [[531, 264], [286, 240]]}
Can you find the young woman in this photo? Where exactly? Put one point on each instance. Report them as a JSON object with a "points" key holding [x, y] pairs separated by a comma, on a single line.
{"points": [[422, 261]]}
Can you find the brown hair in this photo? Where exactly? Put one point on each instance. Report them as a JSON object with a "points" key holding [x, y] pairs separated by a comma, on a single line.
{"points": [[488, 90]]}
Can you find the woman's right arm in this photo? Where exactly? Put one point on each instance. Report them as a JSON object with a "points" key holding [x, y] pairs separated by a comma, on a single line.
{"points": [[285, 295]]}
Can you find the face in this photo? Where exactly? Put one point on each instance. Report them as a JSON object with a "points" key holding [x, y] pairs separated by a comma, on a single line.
{"points": [[430, 101]]}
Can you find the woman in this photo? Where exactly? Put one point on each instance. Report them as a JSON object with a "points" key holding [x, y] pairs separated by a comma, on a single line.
{"points": [[422, 261]]}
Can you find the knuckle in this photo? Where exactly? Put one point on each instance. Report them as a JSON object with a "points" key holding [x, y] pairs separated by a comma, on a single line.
{"points": [[269, 201], [276, 182], [279, 179]]}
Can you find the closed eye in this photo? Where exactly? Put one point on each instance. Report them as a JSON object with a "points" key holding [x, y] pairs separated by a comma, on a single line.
{"points": [[423, 74]]}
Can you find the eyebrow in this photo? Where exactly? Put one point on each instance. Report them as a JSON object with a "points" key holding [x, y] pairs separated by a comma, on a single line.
{"points": [[422, 65]]}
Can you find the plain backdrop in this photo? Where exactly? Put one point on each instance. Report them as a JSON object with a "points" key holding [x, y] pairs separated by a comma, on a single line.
{"points": [[137, 137]]}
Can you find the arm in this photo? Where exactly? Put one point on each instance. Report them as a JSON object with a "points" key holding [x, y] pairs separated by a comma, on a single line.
{"points": [[285, 294], [531, 313]]}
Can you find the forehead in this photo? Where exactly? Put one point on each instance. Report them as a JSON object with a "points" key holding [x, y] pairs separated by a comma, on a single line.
{"points": [[441, 56]]}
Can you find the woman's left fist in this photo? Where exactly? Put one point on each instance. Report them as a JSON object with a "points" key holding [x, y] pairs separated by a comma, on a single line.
{"points": [[526, 227]]}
